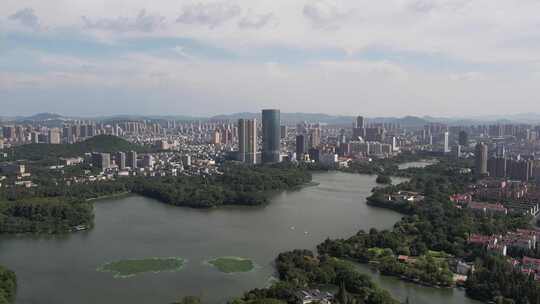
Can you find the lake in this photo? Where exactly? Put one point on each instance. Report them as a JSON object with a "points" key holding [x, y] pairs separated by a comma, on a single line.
{"points": [[61, 270]]}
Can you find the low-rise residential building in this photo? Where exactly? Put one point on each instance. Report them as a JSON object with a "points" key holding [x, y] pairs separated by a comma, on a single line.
{"points": [[409, 196], [315, 296], [487, 208]]}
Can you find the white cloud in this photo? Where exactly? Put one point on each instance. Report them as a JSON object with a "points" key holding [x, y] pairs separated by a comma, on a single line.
{"points": [[143, 22], [430, 56], [379, 69], [181, 51], [472, 31], [257, 21], [320, 86], [423, 5], [325, 13], [426, 6], [468, 76], [208, 14], [27, 18]]}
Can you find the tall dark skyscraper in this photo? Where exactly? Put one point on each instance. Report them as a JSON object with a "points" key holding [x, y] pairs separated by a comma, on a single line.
{"points": [[120, 159], [101, 160], [360, 123], [481, 154], [463, 138], [301, 146], [271, 129], [359, 128], [131, 160]]}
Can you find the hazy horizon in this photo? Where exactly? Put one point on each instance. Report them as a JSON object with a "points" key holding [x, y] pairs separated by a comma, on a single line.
{"points": [[528, 117], [441, 58]]}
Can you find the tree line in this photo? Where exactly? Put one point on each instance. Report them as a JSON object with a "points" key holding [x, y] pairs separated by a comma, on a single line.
{"points": [[8, 286], [302, 269], [57, 207]]}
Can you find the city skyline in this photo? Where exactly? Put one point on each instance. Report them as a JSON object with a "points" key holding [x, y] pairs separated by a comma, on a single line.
{"points": [[410, 57], [259, 177], [270, 151]]}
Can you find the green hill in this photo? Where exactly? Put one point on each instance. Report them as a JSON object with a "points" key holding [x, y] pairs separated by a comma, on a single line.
{"points": [[50, 153]]}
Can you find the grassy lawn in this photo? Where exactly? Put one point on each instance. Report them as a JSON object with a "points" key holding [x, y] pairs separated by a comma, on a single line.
{"points": [[129, 268], [232, 264]]}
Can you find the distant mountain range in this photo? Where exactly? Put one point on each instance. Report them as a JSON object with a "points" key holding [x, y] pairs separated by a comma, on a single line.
{"points": [[292, 118], [407, 121]]}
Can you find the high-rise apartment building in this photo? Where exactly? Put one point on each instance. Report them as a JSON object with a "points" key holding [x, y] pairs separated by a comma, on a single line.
{"points": [[374, 134], [359, 128], [54, 136], [120, 159], [9, 132], [520, 169], [216, 137], [90, 130], [446, 142], [283, 131], [242, 139], [83, 131], [481, 154], [497, 167], [315, 137], [148, 161], [131, 160], [247, 140], [101, 160], [34, 137], [271, 136]]}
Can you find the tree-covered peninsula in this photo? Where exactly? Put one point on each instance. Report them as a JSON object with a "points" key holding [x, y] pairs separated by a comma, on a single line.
{"points": [[59, 207], [238, 185]]}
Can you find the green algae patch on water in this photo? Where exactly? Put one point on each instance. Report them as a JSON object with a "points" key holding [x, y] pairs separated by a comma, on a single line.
{"points": [[129, 268], [232, 264]]}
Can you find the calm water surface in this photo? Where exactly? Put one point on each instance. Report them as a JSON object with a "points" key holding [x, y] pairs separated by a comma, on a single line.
{"points": [[63, 270]]}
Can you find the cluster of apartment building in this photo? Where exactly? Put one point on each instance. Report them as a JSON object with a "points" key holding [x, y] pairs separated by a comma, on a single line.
{"points": [[494, 206], [521, 239]]}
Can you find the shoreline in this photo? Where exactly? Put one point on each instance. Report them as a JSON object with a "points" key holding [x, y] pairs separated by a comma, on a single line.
{"points": [[126, 193]]}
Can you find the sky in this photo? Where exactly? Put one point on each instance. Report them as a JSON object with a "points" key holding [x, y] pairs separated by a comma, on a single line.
{"points": [[195, 57]]}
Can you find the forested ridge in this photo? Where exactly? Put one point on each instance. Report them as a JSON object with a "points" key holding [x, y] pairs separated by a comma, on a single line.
{"points": [[49, 153]]}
